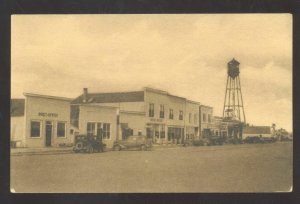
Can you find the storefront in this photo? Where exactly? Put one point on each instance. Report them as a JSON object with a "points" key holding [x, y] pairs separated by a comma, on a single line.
{"points": [[157, 132], [46, 121], [175, 134], [162, 133], [99, 120], [191, 133]]}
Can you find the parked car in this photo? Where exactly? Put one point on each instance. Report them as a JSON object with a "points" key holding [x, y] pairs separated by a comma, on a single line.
{"points": [[208, 141], [88, 143], [133, 142], [252, 140], [212, 140], [258, 139], [234, 141], [188, 143], [198, 142], [286, 139], [267, 139]]}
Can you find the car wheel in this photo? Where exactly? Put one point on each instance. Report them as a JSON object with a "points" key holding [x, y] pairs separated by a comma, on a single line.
{"points": [[143, 147], [79, 145], [117, 148]]}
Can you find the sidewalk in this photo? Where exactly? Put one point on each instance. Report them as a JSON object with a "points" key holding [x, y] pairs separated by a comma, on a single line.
{"points": [[44, 150], [68, 150]]}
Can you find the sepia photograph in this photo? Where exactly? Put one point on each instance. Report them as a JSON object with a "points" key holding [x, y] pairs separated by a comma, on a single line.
{"points": [[151, 103]]}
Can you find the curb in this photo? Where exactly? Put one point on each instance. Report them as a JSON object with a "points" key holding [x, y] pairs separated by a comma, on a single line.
{"points": [[41, 153], [53, 152]]}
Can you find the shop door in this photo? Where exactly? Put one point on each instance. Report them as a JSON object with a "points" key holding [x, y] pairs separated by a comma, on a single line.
{"points": [[48, 133], [149, 133]]}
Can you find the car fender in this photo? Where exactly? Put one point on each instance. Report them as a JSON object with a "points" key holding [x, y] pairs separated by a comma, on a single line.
{"points": [[121, 145]]}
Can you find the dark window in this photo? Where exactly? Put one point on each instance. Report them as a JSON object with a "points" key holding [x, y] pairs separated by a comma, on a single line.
{"points": [[180, 115], [149, 132], [209, 118], [195, 118], [99, 130], [171, 116], [91, 128], [190, 117], [61, 129], [35, 129], [162, 111], [162, 132], [71, 131], [157, 133], [106, 131], [151, 110], [204, 117]]}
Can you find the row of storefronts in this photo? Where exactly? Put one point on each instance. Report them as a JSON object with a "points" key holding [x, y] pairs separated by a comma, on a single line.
{"points": [[41, 121]]}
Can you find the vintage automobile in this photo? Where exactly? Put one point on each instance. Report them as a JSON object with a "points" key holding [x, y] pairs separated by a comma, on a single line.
{"points": [[208, 141], [252, 140], [133, 142], [212, 140], [267, 139], [198, 142], [88, 143]]}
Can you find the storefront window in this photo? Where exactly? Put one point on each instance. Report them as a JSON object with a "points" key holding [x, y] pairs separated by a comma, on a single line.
{"points": [[61, 129], [162, 132], [106, 131], [91, 128], [99, 130], [175, 134], [35, 129], [149, 132], [170, 133]]}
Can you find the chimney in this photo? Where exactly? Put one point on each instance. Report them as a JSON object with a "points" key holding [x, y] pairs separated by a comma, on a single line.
{"points": [[85, 95]]}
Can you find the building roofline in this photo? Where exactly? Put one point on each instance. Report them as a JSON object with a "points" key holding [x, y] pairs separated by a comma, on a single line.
{"points": [[168, 94], [158, 91], [47, 96], [195, 102], [155, 90], [206, 106], [98, 106], [110, 97]]}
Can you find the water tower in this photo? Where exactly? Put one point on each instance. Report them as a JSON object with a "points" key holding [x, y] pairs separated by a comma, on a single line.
{"points": [[233, 105]]}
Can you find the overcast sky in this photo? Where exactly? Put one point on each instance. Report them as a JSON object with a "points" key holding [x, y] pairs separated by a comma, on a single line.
{"points": [[185, 55]]}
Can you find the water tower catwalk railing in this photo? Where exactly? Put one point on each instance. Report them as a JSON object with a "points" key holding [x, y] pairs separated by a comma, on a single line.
{"points": [[233, 104]]}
